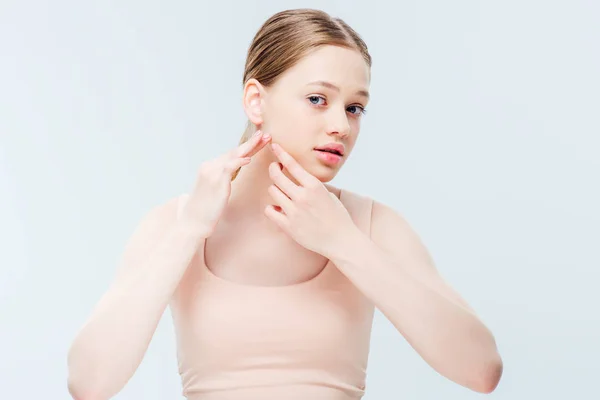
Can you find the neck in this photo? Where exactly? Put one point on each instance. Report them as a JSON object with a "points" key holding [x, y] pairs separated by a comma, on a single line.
{"points": [[249, 195]]}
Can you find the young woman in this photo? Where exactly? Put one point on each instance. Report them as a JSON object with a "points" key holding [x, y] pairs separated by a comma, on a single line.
{"points": [[271, 274]]}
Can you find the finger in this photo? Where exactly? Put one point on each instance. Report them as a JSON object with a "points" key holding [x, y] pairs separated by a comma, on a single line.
{"points": [[280, 198], [248, 145], [284, 183], [296, 170], [276, 216], [245, 148], [253, 145], [261, 145], [234, 164]]}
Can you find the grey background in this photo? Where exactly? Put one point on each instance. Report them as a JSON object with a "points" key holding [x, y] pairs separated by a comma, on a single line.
{"points": [[483, 131]]}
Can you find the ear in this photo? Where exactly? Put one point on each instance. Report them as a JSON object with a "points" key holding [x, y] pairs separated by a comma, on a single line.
{"points": [[253, 99]]}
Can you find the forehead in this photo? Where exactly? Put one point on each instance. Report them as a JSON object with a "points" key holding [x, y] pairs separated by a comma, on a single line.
{"points": [[344, 67]]}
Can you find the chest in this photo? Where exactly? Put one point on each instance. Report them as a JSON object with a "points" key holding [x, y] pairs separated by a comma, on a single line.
{"points": [[225, 324], [251, 257]]}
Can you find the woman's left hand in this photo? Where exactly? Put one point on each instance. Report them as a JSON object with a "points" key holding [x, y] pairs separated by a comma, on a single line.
{"points": [[308, 212]]}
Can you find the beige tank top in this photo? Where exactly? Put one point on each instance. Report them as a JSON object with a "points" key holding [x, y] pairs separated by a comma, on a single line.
{"points": [[302, 341]]}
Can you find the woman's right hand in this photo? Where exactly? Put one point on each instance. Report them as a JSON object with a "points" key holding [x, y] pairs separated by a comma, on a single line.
{"points": [[211, 192]]}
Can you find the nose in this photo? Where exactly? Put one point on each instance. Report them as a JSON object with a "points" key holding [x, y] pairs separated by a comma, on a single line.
{"points": [[339, 125]]}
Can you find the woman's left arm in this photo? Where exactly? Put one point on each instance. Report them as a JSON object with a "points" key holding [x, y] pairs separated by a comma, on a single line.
{"points": [[395, 271]]}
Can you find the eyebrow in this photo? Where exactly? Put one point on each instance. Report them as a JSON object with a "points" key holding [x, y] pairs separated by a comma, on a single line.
{"points": [[337, 89]]}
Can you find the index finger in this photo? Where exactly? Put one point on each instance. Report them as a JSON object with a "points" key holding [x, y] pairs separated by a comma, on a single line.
{"points": [[251, 146], [296, 170]]}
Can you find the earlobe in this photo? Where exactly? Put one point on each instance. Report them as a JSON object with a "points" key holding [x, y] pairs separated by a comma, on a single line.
{"points": [[253, 101]]}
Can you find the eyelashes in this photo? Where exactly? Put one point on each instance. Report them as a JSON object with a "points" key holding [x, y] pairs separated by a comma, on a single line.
{"points": [[362, 110]]}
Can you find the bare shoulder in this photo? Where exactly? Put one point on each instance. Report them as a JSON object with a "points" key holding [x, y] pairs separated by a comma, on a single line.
{"points": [[335, 190], [386, 221], [385, 218], [348, 194], [160, 216], [389, 227], [149, 230], [392, 231]]}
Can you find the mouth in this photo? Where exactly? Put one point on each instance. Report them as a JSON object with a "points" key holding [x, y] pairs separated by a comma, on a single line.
{"points": [[329, 157], [332, 151]]}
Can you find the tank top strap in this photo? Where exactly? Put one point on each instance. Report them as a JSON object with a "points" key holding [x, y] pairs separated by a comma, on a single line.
{"points": [[360, 209], [181, 203]]}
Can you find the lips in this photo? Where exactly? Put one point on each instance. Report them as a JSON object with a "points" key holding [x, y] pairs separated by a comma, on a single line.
{"points": [[328, 158], [330, 151], [333, 148]]}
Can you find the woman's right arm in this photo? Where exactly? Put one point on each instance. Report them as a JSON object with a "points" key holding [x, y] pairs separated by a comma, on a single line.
{"points": [[110, 346]]}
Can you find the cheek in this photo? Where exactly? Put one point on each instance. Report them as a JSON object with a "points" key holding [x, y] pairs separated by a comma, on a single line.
{"points": [[293, 129], [284, 109], [350, 143], [284, 120]]}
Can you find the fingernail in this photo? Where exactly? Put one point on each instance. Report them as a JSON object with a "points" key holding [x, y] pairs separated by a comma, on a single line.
{"points": [[257, 133], [266, 136]]}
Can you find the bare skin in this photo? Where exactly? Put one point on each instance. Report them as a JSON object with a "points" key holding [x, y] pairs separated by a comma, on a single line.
{"points": [[247, 242], [299, 123], [247, 248], [102, 359]]}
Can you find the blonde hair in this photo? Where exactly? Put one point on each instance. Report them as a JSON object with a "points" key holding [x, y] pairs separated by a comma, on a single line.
{"points": [[285, 38]]}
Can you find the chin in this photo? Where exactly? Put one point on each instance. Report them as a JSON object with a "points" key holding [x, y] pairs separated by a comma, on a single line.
{"points": [[325, 179], [318, 169], [323, 173]]}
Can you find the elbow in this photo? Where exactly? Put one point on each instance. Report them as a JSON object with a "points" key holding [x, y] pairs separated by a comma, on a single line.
{"points": [[80, 391], [91, 377], [75, 391], [87, 378], [77, 385], [488, 377], [83, 384]]}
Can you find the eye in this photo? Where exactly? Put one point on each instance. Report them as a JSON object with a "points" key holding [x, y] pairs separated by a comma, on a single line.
{"points": [[317, 98], [355, 110], [361, 110]]}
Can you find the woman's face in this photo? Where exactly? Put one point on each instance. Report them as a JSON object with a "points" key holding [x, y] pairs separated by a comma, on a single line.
{"points": [[318, 102]]}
